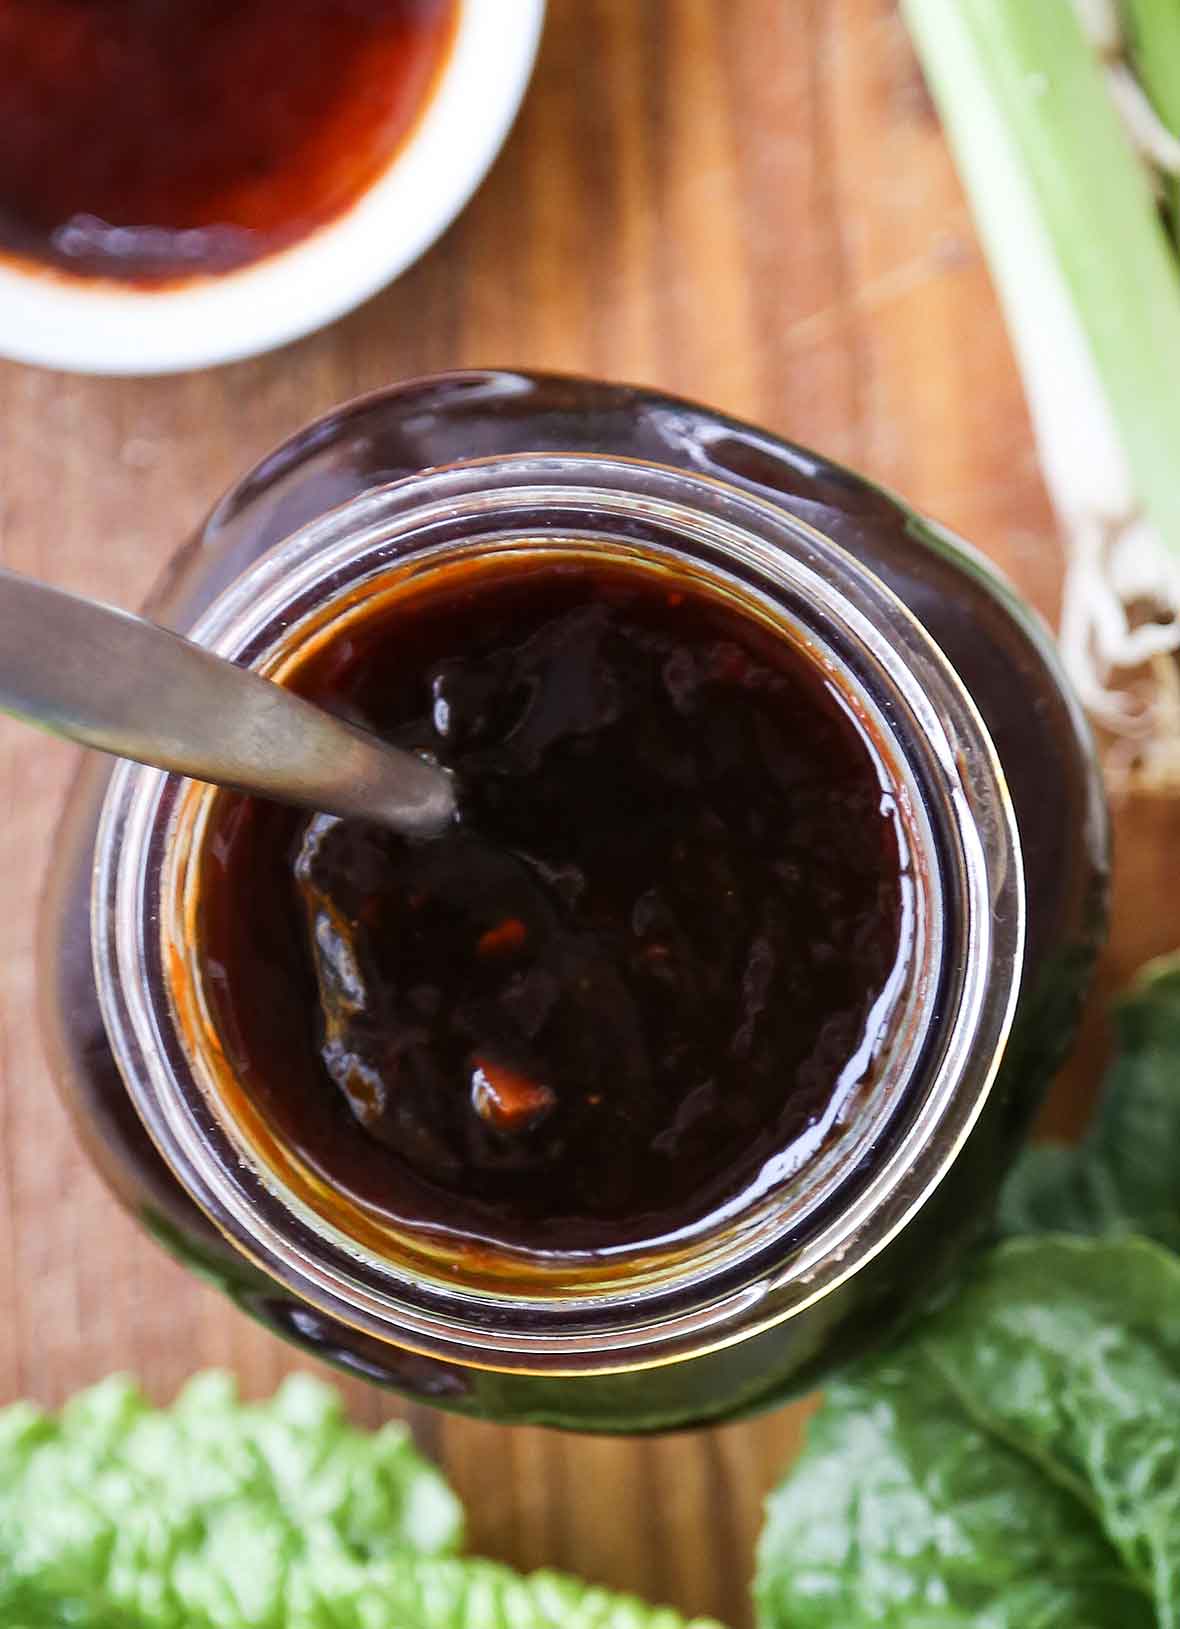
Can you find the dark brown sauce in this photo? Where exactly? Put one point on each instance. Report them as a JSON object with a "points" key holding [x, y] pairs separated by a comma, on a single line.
{"points": [[662, 947], [151, 140]]}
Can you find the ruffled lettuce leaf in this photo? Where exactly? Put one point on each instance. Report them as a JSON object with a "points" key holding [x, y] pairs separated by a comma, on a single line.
{"points": [[219, 1514], [201, 1513]]}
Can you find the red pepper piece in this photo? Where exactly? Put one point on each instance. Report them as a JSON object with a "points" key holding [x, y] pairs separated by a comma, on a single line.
{"points": [[506, 1099], [504, 939]]}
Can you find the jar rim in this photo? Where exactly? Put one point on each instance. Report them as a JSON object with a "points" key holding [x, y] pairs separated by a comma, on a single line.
{"points": [[264, 618]]}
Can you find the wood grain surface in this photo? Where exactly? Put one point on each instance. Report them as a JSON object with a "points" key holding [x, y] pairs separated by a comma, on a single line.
{"points": [[747, 201]]}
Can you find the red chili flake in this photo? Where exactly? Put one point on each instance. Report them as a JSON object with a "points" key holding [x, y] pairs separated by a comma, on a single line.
{"points": [[675, 599], [504, 939], [506, 1099]]}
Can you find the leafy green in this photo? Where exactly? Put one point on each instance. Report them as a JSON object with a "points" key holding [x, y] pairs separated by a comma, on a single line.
{"points": [[200, 1514], [1014, 1465], [218, 1514], [407, 1593], [433, 1594], [1125, 1177]]}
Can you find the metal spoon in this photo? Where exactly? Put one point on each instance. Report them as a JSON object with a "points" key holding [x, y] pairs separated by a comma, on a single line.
{"points": [[125, 685]]}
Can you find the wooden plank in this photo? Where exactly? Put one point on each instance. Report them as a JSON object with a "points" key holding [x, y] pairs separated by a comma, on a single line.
{"points": [[751, 204]]}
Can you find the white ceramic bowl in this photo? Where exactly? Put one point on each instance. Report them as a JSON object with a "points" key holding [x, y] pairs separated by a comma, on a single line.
{"points": [[94, 327]]}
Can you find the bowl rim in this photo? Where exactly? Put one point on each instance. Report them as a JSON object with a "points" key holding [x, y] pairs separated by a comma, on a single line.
{"points": [[92, 326]]}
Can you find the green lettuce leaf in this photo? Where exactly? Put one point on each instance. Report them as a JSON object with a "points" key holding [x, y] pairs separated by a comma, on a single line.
{"points": [[430, 1594], [406, 1593], [218, 1514], [1125, 1177], [1015, 1464], [200, 1514]]}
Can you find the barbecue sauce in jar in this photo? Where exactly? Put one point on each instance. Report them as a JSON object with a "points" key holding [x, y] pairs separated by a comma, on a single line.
{"points": [[148, 141], [657, 958]]}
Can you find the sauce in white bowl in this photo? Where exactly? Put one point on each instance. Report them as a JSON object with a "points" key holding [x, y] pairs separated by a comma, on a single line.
{"points": [[378, 176]]}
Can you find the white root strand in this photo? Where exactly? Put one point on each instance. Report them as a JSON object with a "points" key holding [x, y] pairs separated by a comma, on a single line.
{"points": [[1101, 25], [1120, 618], [1149, 135]]}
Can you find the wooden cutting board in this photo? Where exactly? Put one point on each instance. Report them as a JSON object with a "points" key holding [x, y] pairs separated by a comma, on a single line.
{"points": [[747, 201]]}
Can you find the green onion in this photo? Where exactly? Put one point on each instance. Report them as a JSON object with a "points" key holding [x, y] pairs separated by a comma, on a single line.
{"points": [[1090, 285]]}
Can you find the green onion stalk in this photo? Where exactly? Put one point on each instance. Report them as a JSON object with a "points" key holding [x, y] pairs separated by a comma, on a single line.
{"points": [[1064, 117]]}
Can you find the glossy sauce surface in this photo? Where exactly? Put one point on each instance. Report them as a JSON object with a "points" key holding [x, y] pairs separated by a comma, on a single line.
{"points": [[659, 954], [150, 140]]}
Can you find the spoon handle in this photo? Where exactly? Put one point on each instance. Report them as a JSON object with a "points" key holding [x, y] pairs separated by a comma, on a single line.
{"points": [[125, 685]]}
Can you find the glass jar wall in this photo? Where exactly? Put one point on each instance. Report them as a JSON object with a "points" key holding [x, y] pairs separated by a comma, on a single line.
{"points": [[963, 682]]}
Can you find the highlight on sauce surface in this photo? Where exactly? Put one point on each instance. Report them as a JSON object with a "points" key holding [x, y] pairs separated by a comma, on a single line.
{"points": [[154, 140], [646, 974]]}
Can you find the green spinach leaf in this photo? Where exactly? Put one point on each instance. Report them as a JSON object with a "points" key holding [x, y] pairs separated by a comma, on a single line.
{"points": [[1125, 1178], [1015, 1464]]}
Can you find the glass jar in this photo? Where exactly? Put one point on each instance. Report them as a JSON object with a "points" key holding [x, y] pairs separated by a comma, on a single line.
{"points": [[962, 696]]}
